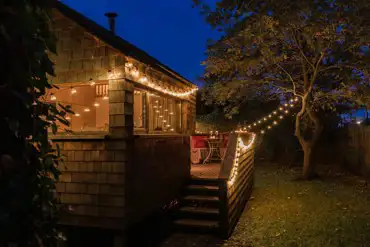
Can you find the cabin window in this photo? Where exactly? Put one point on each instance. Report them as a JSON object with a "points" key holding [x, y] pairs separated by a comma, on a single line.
{"points": [[164, 114], [89, 103], [139, 109]]}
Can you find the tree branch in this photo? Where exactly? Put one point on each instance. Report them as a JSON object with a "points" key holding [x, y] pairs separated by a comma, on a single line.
{"points": [[290, 77]]}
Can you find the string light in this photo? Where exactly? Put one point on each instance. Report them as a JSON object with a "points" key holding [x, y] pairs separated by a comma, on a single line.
{"points": [[53, 97], [87, 110], [92, 83], [129, 65], [96, 104], [73, 91], [282, 108], [105, 98], [68, 118], [240, 146], [144, 80], [77, 114]]}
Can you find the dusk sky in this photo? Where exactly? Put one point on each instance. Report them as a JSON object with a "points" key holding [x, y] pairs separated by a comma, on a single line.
{"points": [[170, 30]]}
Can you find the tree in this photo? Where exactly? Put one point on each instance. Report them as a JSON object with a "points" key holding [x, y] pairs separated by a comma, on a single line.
{"points": [[313, 50], [28, 161]]}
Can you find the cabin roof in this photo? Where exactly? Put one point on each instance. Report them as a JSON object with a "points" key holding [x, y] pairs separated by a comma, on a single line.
{"points": [[117, 42]]}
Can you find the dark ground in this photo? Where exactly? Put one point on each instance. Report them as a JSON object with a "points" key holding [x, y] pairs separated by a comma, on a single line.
{"points": [[331, 211]]}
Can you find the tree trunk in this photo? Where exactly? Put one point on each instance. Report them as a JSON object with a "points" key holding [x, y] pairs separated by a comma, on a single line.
{"points": [[308, 146], [308, 166]]}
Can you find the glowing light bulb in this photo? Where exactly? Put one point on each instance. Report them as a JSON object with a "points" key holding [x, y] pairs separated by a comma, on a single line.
{"points": [[270, 116], [281, 108], [166, 110], [143, 79], [292, 100], [275, 123], [157, 111], [285, 104], [171, 113], [164, 121], [96, 104], [286, 111], [281, 117], [296, 99], [73, 91], [259, 121], [161, 116], [77, 114], [269, 127], [168, 125], [249, 127], [53, 97], [264, 119], [87, 110], [68, 117], [262, 132], [105, 98], [275, 112], [254, 124]]}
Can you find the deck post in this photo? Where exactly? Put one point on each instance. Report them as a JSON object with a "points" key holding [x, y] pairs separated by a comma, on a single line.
{"points": [[224, 217]]}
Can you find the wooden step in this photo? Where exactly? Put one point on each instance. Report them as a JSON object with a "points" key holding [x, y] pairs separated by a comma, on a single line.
{"points": [[192, 223], [198, 212], [204, 181], [201, 198], [202, 190]]}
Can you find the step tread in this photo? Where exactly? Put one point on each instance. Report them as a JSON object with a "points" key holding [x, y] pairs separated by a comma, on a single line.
{"points": [[189, 209], [201, 198], [202, 187], [197, 223]]}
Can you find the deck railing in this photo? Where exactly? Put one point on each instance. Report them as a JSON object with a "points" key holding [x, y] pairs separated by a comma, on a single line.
{"points": [[235, 180]]}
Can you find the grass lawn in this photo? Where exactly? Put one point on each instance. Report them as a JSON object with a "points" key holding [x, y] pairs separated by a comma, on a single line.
{"points": [[332, 211]]}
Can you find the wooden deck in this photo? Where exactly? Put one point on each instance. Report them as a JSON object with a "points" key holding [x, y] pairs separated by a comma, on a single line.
{"points": [[206, 171]]}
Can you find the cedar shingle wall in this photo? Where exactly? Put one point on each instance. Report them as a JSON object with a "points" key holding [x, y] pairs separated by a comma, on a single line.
{"points": [[92, 184], [81, 56]]}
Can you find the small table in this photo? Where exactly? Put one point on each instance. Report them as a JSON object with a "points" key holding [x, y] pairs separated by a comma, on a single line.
{"points": [[214, 150]]}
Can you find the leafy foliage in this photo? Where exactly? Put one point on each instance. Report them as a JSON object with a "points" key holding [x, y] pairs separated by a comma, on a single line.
{"points": [[314, 50], [28, 161]]}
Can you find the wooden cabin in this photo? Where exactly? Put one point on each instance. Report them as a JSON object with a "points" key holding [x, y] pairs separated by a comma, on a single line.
{"points": [[129, 153]]}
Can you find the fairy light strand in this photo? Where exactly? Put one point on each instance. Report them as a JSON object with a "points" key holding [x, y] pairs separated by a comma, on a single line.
{"points": [[274, 117], [240, 146]]}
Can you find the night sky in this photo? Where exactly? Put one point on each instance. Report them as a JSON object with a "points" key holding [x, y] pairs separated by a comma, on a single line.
{"points": [[170, 30]]}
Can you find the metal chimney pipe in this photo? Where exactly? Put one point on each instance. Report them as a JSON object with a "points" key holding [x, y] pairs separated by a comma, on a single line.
{"points": [[112, 21]]}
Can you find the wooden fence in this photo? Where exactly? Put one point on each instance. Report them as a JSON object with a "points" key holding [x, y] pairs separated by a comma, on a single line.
{"points": [[235, 180]]}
